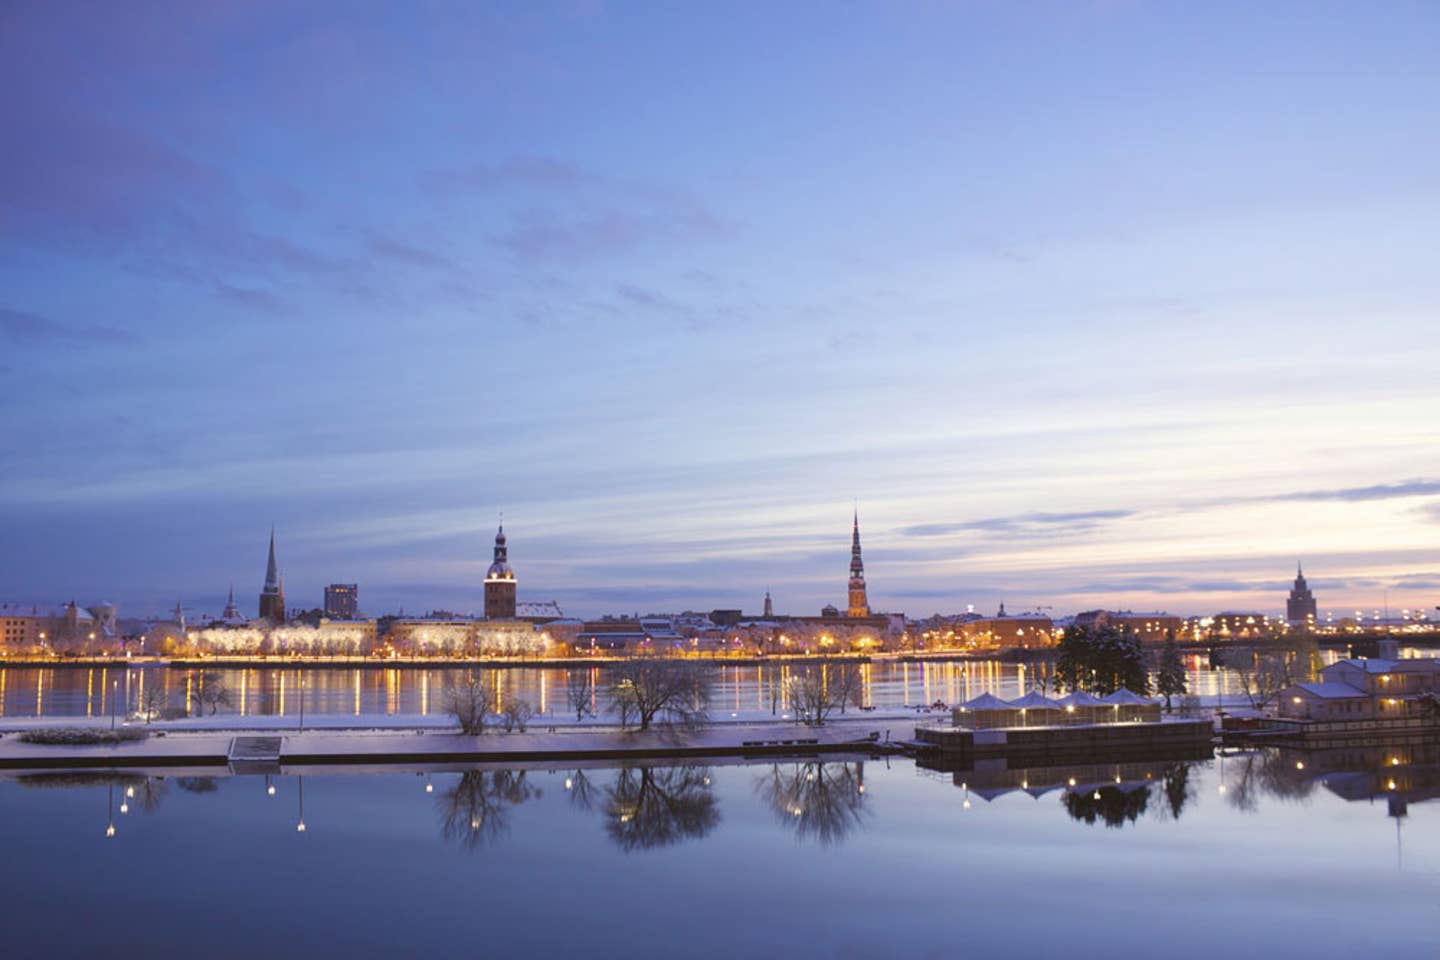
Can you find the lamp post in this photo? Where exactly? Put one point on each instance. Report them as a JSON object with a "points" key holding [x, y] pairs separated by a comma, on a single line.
{"points": [[302, 701], [114, 692]]}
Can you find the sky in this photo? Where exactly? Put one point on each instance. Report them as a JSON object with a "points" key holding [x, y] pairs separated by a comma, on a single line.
{"points": [[1083, 304]]}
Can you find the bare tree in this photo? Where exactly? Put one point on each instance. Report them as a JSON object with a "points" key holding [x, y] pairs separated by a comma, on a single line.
{"points": [[470, 702], [815, 694], [677, 690], [517, 713], [210, 692], [580, 693], [1264, 675], [153, 702]]}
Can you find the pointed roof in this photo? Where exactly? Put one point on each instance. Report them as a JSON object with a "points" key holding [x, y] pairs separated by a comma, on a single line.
{"points": [[1126, 697], [272, 576], [986, 701], [1080, 698], [1035, 700]]}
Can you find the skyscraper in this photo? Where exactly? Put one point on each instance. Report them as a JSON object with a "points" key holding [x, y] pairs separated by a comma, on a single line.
{"points": [[272, 595], [1300, 607], [500, 583], [341, 601], [859, 603]]}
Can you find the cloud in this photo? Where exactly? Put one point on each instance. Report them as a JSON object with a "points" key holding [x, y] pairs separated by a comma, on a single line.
{"points": [[522, 171], [545, 235], [251, 297], [1430, 511], [18, 326], [1418, 487], [1026, 524], [392, 249]]}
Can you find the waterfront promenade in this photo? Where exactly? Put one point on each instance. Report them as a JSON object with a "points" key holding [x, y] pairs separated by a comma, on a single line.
{"points": [[217, 747]]}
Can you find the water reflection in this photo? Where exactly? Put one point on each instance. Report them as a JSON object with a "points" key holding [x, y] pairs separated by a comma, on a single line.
{"points": [[474, 811], [823, 802], [651, 807]]}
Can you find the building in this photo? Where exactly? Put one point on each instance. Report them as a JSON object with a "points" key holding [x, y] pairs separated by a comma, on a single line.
{"points": [[1151, 627], [232, 615], [1300, 606], [538, 611], [19, 626], [500, 583], [272, 595], [1026, 631], [342, 601], [859, 602], [1239, 626], [1365, 689]]}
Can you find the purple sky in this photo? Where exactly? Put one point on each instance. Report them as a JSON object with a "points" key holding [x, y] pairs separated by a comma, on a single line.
{"points": [[1117, 304]]}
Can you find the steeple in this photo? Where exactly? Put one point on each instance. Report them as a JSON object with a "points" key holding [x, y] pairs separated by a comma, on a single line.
{"points": [[232, 612], [859, 603], [272, 576], [272, 595], [500, 582], [769, 607]]}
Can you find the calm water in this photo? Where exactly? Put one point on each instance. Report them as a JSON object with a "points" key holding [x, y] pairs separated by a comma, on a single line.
{"points": [[1302, 854], [80, 692]]}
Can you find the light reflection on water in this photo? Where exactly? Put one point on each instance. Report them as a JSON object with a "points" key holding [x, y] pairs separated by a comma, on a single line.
{"points": [[748, 689], [845, 857]]}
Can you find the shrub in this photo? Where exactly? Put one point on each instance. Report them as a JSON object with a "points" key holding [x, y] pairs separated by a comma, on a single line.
{"points": [[81, 736]]}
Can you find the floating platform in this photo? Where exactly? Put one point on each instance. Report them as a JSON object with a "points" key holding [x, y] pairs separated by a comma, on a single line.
{"points": [[1061, 742]]}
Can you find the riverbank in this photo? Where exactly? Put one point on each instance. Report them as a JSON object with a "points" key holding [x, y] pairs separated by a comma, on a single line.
{"points": [[262, 748]]}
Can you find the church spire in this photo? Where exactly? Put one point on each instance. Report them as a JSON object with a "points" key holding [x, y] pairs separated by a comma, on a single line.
{"points": [[272, 595], [272, 576], [859, 602]]}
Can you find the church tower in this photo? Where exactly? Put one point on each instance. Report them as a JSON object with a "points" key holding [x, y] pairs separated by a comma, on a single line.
{"points": [[272, 595], [500, 583], [769, 606], [1300, 606], [232, 612], [859, 604]]}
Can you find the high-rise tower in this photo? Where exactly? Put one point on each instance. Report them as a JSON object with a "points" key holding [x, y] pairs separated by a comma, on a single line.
{"points": [[1300, 606], [272, 595], [500, 583], [859, 604]]}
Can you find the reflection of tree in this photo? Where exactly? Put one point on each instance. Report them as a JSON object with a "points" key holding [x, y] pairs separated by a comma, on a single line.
{"points": [[151, 793], [198, 784], [652, 807], [580, 791], [1178, 790], [819, 801], [473, 811], [1248, 776], [1116, 807]]}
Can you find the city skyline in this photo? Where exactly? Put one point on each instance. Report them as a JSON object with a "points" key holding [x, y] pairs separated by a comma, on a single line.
{"points": [[1089, 305]]}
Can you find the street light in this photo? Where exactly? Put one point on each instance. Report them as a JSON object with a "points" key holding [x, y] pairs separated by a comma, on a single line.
{"points": [[114, 694]]}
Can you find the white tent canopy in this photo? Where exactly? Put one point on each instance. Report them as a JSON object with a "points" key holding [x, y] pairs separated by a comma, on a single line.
{"points": [[1128, 698], [986, 701], [1081, 698], [1035, 700]]}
